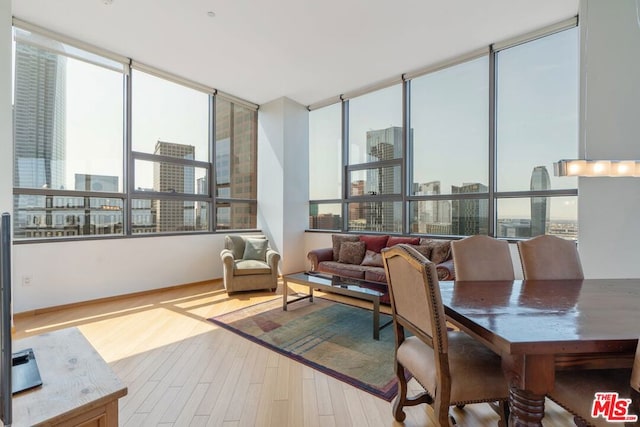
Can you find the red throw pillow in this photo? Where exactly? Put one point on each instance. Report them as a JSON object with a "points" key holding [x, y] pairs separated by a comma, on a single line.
{"points": [[394, 240], [374, 243]]}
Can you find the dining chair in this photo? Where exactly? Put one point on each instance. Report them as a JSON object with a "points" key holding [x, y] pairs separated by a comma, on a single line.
{"points": [[482, 257], [549, 257], [575, 391], [453, 368]]}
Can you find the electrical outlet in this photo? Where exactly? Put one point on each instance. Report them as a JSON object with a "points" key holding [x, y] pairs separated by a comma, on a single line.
{"points": [[26, 280]]}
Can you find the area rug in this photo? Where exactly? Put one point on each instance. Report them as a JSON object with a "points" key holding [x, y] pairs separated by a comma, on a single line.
{"points": [[334, 338]]}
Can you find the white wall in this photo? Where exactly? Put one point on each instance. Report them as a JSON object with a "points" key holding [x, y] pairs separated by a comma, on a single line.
{"points": [[610, 129], [6, 135], [67, 272], [283, 170]]}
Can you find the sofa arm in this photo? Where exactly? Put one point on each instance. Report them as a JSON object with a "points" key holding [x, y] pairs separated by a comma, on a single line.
{"points": [[316, 256], [446, 270], [273, 258], [227, 265]]}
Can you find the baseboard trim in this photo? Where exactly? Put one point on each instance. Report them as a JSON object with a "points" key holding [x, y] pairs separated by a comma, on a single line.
{"points": [[43, 310]]}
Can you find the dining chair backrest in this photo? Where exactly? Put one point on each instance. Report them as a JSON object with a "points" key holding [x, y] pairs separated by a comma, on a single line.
{"points": [[415, 295], [549, 257], [453, 370], [482, 258]]}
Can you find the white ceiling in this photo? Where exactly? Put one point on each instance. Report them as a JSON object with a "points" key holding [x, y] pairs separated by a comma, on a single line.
{"points": [[307, 50]]}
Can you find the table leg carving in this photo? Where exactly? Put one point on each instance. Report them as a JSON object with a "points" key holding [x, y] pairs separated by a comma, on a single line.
{"points": [[530, 377], [526, 409]]}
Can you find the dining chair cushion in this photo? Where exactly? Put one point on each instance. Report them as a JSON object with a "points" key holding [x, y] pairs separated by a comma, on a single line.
{"points": [[468, 359]]}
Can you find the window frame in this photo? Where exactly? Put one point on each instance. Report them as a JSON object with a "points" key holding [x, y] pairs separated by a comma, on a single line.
{"points": [[492, 196], [130, 194]]}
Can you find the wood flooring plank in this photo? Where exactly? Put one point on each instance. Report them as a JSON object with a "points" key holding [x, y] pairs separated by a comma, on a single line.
{"points": [[310, 403], [296, 399], [325, 406], [188, 412], [199, 421], [265, 405], [182, 370], [237, 402], [250, 405], [279, 413]]}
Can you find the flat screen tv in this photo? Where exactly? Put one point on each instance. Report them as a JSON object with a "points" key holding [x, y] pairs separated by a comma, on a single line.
{"points": [[18, 371], [5, 321]]}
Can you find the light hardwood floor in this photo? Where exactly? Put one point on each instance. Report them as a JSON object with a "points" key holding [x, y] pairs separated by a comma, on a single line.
{"points": [[182, 370]]}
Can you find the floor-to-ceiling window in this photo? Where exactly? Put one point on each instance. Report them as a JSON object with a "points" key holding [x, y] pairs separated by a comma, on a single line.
{"points": [[460, 149], [536, 124], [104, 148]]}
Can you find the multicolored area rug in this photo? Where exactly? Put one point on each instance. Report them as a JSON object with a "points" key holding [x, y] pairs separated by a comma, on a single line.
{"points": [[333, 338]]}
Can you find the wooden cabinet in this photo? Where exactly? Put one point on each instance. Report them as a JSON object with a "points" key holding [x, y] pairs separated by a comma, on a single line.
{"points": [[78, 387]]}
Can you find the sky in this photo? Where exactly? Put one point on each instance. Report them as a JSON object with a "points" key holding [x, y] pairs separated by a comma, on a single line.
{"points": [[537, 123]]}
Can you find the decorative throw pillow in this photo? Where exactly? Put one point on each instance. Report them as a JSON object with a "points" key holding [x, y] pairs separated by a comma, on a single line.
{"points": [[255, 249], [351, 252], [337, 240], [372, 259], [440, 249], [374, 243], [423, 249], [394, 240]]}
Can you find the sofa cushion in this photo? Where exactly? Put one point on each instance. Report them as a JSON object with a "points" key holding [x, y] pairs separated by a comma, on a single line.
{"points": [[440, 249], [375, 274], [395, 240], [255, 249], [351, 252], [340, 269], [337, 240], [374, 243], [372, 259], [425, 250]]}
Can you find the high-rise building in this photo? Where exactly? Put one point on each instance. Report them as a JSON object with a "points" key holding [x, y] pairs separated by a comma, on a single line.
{"points": [[174, 215], [469, 216], [539, 205], [431, 216], [383, 144], [39, 118], [235, 157]]}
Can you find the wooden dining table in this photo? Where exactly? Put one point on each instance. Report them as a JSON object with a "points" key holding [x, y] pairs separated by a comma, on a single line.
{"points": [[538, 327]]}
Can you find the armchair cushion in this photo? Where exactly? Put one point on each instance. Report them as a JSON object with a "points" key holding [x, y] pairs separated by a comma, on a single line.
{"points": [[247, 267], [255, 249], [235, 243]]}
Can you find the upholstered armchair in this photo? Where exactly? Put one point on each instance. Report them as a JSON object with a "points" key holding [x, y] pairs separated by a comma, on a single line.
{"points": [[249, 263]]}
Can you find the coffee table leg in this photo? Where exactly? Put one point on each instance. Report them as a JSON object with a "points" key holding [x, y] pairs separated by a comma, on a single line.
{"points": [[376, 319], [285, 294], [310, 293]]}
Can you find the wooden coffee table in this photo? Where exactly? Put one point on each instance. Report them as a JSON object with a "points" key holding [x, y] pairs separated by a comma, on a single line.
{"points": [[356, 288]]}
